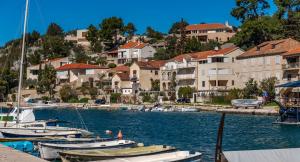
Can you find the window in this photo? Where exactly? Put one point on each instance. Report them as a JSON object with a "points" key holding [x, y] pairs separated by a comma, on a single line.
{"points": [[203, 83], [156, 72], [277, 76], [232, 82], [289, 77], [277, 60], [268, 60], [232, 59]]}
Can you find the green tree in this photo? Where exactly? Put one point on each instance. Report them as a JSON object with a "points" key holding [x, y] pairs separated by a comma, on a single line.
{"points": [[55, 46], [185, 92], [292, 26], [254, 32], [161, 54], [35, 58], [109, 30], [193, 45], [80, 55], [93, 37], [249, 9], [285, 7], [55, 30], [176, 27], [251, 89], [67, 93], [151, 33], [115, 97], [47, 80], [155, 85], [130, 30], [268, 85], [112, 65]]}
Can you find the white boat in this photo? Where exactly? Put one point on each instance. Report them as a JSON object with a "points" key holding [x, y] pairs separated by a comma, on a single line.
{"points": [[49, 151], [10, 119], [178, 156], [189, 109]]}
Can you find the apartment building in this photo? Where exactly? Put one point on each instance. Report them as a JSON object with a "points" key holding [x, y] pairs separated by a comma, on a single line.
{"points": [[181, 69], [142, 74], [79, 38], [33, 71], [206, 32], [269, 59], [77, 73], [135, 51], [217, 71]]}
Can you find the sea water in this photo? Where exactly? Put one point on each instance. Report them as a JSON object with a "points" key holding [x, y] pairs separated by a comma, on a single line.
{"points": [[186, 131]]}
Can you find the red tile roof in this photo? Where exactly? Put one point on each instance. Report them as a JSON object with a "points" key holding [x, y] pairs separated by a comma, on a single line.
{"points": [[138, 45], [206, 27], [204, 54], [155, 64], [292, 52], [121, 68], [271, 47], [123, 76], [78, 66]]}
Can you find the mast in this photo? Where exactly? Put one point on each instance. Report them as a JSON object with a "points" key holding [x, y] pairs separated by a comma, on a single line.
{"points": [[22, 61]]}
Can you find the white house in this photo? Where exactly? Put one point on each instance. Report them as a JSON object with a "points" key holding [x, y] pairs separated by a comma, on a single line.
{"points": [[135, 51]]}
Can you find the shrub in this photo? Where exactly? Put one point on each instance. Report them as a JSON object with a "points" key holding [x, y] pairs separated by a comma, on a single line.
{"points": [[115, 97], [67, 93], [112, 65], [84, 100]]}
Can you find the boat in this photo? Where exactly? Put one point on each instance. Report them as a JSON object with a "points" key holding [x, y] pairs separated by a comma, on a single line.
{"points": [[49, 151], [177, 156], [189, 109], [15, 123], [289, 107], [95, 155], [246, 103]]}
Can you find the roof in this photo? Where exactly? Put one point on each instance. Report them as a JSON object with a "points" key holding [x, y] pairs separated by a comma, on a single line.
{"points": [[121, 68], [204, 54], [138, 45], [206, 26], [155, 64], [292, 52], [78, 66], [274, 155], [271, 48], [123, 76]]}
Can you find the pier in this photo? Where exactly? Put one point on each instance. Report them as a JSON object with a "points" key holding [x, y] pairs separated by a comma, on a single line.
{"points": [[8, 154]]}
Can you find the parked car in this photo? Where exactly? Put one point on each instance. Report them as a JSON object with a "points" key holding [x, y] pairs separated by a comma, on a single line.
{"points": [[183, 100], [246, 103], [100, 101]]}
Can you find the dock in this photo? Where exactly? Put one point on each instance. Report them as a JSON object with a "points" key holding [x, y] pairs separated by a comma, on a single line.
{"points": [[8, 154]]}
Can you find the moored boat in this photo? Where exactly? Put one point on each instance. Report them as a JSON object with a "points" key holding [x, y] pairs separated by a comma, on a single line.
{"points": [[50, 151], [177, 156], [94, 155]]}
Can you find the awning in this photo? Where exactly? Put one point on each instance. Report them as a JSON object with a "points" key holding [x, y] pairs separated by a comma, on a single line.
{"points": [[274, 155], [290, 84]]}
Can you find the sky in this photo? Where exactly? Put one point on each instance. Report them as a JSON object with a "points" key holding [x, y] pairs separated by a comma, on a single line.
{"points": [[79, 14]]}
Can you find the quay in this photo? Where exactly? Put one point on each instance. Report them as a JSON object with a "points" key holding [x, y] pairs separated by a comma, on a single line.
{"points": [[8, 154]]}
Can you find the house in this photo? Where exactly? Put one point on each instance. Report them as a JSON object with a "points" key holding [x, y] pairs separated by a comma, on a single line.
{"points": [[110, 56], [121, 84], [33, 71], [78, 73], [268, 59], [143, 74], [206, 32], [135, 51], [291, 65], [79, 38]]}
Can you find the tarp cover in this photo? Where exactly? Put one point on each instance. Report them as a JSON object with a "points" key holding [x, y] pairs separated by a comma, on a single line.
{"points": [[290, 84], [275, 155]]}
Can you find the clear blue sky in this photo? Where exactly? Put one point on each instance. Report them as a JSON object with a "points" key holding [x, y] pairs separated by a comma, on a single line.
{"points": [[76, 14]]}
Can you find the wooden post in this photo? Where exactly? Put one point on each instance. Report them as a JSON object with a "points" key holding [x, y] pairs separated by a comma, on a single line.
{"points": [[218, 153]]}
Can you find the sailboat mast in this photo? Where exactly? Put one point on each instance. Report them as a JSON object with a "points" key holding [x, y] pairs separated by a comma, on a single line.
{"points": [[22, 60]]}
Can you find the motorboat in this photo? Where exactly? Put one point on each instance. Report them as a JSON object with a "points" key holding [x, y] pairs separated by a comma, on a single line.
{"points": [[49, 151], [189, 109], [95, 155], [246, 103], [177, 156]]}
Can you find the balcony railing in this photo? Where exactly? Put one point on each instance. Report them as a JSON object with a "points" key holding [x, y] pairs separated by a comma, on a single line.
{"points": [[291, 65], [185, 76]]}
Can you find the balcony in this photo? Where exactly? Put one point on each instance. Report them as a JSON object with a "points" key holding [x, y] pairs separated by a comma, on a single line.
{"points": [[186, 66], [186, 77], [291, 66]]}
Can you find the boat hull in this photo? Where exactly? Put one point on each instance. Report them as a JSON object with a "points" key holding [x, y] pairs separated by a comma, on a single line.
{"points": [[51, 152], [32, 133]]}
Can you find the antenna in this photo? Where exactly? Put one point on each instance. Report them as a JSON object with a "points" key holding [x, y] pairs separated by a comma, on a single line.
{"points": [[22, 61]]}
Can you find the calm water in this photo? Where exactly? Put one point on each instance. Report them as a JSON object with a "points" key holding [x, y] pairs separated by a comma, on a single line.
{"points": [[186, 131]]}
